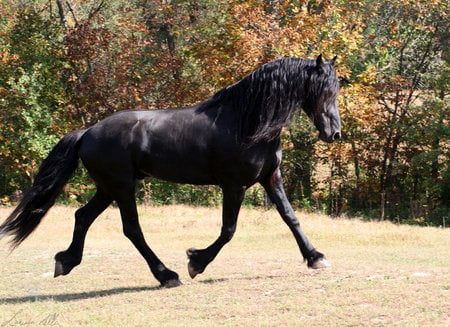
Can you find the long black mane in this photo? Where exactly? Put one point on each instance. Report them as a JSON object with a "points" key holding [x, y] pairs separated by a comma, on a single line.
{"points": [[267, 98]]}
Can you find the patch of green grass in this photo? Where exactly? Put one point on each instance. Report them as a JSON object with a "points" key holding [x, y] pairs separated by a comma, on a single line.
{"points": [[382, 274]]}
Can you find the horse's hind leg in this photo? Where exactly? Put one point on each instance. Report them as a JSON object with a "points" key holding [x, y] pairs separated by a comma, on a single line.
{"points": [[84, 217], [132, 230]]}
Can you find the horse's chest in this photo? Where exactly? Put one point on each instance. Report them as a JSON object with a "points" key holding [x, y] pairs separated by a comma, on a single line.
{"points": [[246, 170]]}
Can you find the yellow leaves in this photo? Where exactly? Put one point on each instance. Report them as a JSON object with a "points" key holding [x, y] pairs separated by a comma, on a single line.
{"points": [[369, 75], [6, 200], [358, 106]]}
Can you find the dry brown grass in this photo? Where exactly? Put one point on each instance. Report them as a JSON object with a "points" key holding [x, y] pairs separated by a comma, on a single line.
{"points": [[382, 274]]}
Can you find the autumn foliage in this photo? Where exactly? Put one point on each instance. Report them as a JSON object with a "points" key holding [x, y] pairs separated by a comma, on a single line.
{"points": [[66, 64]]}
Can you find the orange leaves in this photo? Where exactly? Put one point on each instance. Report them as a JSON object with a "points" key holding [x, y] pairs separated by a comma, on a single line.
{"points": [[7, 57], [249, 33]]}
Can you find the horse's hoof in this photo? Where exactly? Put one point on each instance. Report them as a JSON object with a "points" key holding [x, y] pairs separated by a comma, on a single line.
{"points": [[192, 271], [321, 263], [194, 267], [172, 283], [59, 269]]}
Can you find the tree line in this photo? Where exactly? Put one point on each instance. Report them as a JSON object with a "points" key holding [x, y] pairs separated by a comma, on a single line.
{"points": [[65, 65]]}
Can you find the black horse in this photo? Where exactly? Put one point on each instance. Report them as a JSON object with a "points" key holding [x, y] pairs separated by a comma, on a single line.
{"points": [[232, 140]]}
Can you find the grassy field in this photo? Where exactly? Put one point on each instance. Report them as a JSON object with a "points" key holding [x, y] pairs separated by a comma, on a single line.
{"points": [[381, 274]]}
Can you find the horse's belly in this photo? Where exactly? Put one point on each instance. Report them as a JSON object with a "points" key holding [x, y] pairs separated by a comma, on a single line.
{"points": [[177, 171]]}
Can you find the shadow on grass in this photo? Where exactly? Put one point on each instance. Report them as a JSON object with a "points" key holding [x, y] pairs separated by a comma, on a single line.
{"points": [[68, 297], [250, 278]]}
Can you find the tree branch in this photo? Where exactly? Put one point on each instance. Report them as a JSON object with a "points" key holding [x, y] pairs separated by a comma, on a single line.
{"points": [[72, 12], [94, 12]]}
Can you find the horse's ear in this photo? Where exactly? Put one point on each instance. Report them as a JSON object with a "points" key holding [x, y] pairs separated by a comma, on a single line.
{"points": [[333, 61], [319, 61]]}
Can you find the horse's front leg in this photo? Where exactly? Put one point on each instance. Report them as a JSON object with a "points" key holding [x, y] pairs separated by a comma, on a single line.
{"points": [[199, 259], [274, 188]]}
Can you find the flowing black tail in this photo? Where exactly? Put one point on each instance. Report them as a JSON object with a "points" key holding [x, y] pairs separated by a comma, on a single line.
{"points": [[53, 174]]}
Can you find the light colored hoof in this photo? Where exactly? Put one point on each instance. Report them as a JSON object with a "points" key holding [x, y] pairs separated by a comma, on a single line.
{"points": [[192, 271], [59, 270], [321, 264], [172, 283]]}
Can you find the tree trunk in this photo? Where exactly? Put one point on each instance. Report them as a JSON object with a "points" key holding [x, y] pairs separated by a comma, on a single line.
{"points": [[62, 14]]}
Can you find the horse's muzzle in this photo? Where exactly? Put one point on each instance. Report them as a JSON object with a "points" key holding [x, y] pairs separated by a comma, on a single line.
{"points": [[331, 137], [336, 136]]}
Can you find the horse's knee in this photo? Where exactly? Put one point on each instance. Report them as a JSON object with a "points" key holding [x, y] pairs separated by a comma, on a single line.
{"points": [[79, 217], [227, 233], [130, 231], [82, 219]]}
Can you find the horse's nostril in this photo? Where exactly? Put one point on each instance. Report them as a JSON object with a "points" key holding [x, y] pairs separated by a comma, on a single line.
{"points": [[336, 136]]}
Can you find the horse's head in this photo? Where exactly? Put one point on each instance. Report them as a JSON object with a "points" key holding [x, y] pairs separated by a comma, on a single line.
{"points": [[320, 102]]}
